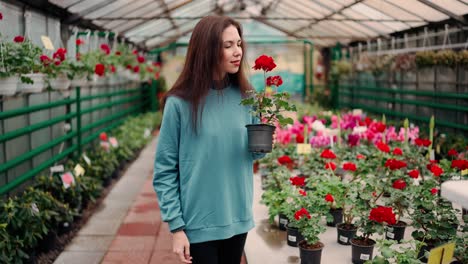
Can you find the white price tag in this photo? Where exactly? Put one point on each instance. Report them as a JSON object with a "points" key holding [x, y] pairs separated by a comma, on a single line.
{"points": [[364, 256], [291, 238], [456, 178], [304, 148], [432, 155], [343, 239], [390, 235], [58, 168], [47, 43], [283, 221], [147, 132], [390, 229], [78, 170], [87, 160]]}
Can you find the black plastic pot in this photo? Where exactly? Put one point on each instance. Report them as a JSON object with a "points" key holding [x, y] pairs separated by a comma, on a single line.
{"points": [[310, 256], [361, 253], [396, 232], [344, 236], [260, 137], [293, 235], [282, 222], [337, 217], [48, 242]]}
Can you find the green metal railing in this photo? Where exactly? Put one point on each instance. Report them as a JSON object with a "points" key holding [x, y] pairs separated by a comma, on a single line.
{"points": [[130, 101]]}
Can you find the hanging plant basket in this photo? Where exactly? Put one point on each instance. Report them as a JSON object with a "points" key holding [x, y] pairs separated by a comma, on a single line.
{"points": [[36, 87], [9, 85], [60, 83]]}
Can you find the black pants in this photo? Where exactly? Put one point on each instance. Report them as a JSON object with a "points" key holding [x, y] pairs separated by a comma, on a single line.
{"points": [[226, 251]]}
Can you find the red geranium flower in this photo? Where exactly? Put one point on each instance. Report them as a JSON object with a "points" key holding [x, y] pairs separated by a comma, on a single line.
{"points": [[299, 138], [103, 136], [434, 191], [285, 159], [99, 69], [422, 142], [129, 66], [1, 16], [79, 42], [45, 59], [141, 59], [302, 192], [300, 213], [18, 39], [349, 166], [136, 69], [60, 54], [436, 170], [460, 164], [297, 181], [399, 184], [360, 156], [112, 68], [327, 154], [265, 63], [395, 164], [397, 152], [414, 174], [383, 147], [274, 80], [330, 165], [431, 162], [118, 53], [135, 52], [452, 152], [380, 127], [329, 198], [382, 214], [105, 48]]}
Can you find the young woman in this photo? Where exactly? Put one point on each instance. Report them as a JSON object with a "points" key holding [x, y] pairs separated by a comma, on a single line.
{"points": [[203, 170]]}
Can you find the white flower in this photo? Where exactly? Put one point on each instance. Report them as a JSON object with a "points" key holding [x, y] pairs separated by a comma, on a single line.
{"points": [[357, 112], [317, 125], [359, 129]]}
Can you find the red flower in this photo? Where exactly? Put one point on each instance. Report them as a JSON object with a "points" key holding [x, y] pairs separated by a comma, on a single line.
{"points": [[399, 184], [300, 213], [18, 39], [330, 165], [431, 162], [141, 59], [99, 69], [57, 63], [436, 170], [60, 54], [1, 16], [149, 69], [265, 63], [274, 80], [380, 127], [383, 147], [452, 152], [103, 136], [422, 142], [374, 194], [382, 214], [434, 191], [105, 48], [460, 164], [414, 174], [79, 42], [45, 59], [297, 181], [156, 75], [299, 138], [360, 156], [78, 56], [395, 164], [328, 154], [112, 68], [118, 53], [156, 64], [397, 152], [285, 159], [129, 67], [368, 121], [329, 198], [136, 69], [302, 192], [135, 52], [349, 166]]}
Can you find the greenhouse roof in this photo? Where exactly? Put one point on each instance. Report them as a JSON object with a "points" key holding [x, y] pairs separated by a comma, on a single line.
{"points": [[154, 23]]}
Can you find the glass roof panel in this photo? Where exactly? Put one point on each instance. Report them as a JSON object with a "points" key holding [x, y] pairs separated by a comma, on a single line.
{"points": [[152, 28], [353, 14], [124, 11], [361, 28], [330, 4], [453, 6], [302, 9], [420, 9], [396, 26], [316, 7], [378, 26], [391, 10], [86, 5], [369, 11], [345, 2], [193, 9], [64, 3], [108, 9]]}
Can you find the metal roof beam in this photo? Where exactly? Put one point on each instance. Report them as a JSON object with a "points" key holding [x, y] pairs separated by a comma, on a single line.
{"points": [[456, 17]]}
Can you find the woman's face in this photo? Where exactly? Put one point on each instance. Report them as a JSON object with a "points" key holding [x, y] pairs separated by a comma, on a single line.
{"points": [[232, 51]]}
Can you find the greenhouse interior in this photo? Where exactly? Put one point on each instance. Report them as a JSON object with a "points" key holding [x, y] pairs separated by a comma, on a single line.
{"points": [[306, 131]]}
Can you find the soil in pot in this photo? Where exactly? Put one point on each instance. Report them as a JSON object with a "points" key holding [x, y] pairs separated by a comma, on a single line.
{"points": [[310, 254], [361, 250], [345, 232]]}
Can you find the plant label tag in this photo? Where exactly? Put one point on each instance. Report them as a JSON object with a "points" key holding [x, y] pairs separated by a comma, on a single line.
{"points": [[147, 133], [343, 239], [464, 172], [390, 235], [283, 221], [456, 178], [304, 148], [113, 141], [432, 155], [58, 168], [34, 208], [87, 160], [364, 256], [441, 254], [390, 229], [292, 238], [47, 43], [78, 170], [67, 179]]}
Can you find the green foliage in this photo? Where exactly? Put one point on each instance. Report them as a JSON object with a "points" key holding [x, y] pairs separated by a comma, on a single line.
{"points": [[391, 253], [19, 59]]}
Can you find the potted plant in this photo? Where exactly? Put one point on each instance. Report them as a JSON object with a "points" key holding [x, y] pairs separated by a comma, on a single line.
{"points": [[267, 108], [390, 253], [11, 248], [57, 69]]}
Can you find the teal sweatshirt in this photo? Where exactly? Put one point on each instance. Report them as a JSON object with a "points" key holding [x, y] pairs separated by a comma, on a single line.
{"points": [[204, 181]]}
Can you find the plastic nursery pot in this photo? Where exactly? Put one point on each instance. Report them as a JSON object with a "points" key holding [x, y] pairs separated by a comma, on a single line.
{"points": [[361, 250], [310, 254], [282, 221], [293, 235], [260, 137], [396, 232], [345, 233], [337, 216]]}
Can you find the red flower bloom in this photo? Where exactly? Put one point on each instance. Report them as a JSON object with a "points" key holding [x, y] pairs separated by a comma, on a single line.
{"points": [[452, 152], [382, 214], [18, 39], [422, 142], [300, 213], [299, 138], [130, 67], [57, 63], [329, 198], [156, 75], [431, 162], [60, 54], [414, 174], [118, 53], [285, 159], [141, 59], [99, 69], [360, 156], [302, 192], [328, 154], [383, 147], [395, 164], [274, 80], [397, 152], [368, 121], [149, 69], [103, 136], [135, 52], [136, 69], [112, 68], [78, 56], [380, 127], [105, 48], [349, 166], [434, 191], [1, 16], [297, 181], [460, 164], [436, 170], [330, 165], [45, 59], [79, 42], [265, 63], [399, 184]]}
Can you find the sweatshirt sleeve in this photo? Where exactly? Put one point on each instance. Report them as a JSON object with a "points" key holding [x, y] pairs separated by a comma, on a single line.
{"points": [[255, 155], [166, 166]]}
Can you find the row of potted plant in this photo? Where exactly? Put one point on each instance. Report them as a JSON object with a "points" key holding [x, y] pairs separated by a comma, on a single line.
{"points": [[375, 179], [31, 221], [27, 68]]}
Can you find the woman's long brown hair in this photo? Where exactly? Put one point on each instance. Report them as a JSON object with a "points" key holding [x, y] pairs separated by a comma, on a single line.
{"points": [[202, 65]]}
